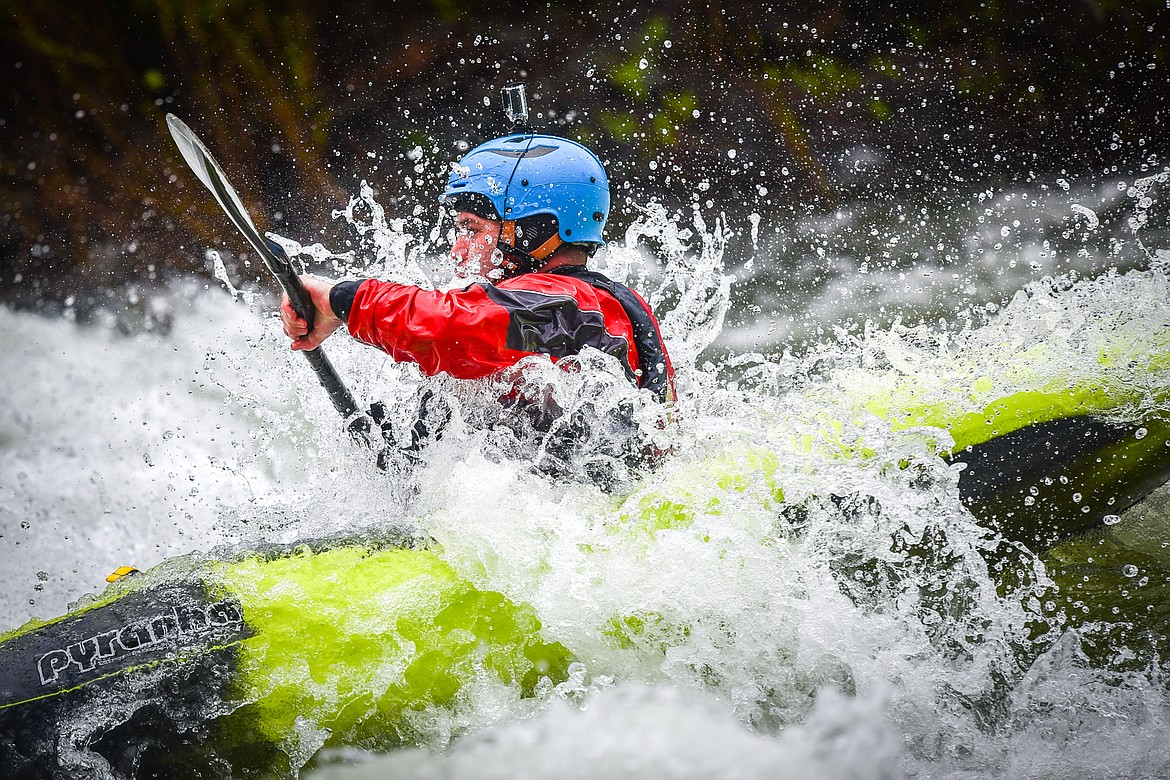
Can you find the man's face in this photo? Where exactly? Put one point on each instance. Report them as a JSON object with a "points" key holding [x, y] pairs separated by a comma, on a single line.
{"points": [[475, 249]]}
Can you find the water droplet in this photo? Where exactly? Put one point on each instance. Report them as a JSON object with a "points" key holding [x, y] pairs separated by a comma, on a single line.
{"points": [[1129, 570], [1111, 519], [43, 576], [1076, 498], [25, 524], [1029, 500], [1140, 433]]}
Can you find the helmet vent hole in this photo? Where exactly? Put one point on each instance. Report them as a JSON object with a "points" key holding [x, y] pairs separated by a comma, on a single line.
{"points": [[568, 232], [524, 182]]}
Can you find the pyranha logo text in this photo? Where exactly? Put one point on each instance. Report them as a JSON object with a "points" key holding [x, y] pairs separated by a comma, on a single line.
{"points": [[183, 621]]}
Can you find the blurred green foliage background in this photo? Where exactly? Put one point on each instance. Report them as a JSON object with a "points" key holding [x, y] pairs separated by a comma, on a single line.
{"points": [[741, 107]]}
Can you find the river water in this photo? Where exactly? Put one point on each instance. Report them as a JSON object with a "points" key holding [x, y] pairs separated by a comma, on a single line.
{"points": [[128, 449]]}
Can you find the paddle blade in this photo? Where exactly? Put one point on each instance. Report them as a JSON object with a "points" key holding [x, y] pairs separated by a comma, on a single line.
{"points": [[213, 177]]}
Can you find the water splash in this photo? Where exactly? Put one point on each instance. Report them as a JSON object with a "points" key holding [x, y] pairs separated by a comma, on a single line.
{"points": [[688, 287], [799, 580], [1092, 223], [220, 272], [391, 251], [1144, 193]]}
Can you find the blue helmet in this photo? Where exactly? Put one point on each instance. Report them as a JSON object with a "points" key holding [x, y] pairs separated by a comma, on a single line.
{"points": [[527, 175]]}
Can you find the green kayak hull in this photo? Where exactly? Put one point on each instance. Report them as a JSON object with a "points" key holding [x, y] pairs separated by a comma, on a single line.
{"points": [[255, 660]]}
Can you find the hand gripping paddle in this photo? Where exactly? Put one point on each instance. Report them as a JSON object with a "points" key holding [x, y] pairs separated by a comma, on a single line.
{"points": [[207, 169]]}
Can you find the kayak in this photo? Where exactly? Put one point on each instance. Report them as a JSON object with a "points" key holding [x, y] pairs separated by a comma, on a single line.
{"points": [[203, 660], [251, 661], [257, 659]]}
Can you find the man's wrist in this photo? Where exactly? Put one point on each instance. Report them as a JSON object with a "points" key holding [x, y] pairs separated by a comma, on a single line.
{"points": [[341, 298]]}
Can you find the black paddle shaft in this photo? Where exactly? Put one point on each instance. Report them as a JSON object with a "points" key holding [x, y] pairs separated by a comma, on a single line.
{"points": [[278, 262], [298, 297], [281, 266]]}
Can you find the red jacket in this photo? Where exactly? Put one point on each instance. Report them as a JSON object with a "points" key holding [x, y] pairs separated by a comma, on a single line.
{"points": [[477, 331]]}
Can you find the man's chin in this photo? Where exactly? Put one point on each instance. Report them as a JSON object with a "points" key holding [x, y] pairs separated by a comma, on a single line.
{"points": [[468, 275], [475, 275]]}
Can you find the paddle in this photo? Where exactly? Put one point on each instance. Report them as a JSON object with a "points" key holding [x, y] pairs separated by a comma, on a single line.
{"points": [[359, 424]]}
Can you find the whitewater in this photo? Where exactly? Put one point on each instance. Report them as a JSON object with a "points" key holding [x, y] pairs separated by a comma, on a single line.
{"points": [[838, 619]]}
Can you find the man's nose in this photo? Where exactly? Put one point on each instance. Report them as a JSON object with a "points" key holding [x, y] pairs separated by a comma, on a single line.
{"points": [[459, 247]]}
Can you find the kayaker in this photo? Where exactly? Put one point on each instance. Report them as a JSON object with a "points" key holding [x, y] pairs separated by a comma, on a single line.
{"points": [[529, 211]]}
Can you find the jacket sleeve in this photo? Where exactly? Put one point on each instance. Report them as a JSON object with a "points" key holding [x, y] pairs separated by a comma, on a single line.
{"points": [[461, 332], [482, 329]]}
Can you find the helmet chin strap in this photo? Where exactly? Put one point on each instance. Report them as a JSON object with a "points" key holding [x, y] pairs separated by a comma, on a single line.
{"points": [[523, 262]]}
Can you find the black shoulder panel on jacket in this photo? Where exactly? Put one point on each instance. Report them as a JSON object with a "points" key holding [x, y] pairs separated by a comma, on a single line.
{"points": [[555, 325], [651, 351]]}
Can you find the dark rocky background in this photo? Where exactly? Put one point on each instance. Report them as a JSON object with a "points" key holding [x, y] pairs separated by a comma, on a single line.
{"points": [[820, 103]]}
